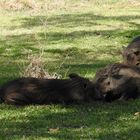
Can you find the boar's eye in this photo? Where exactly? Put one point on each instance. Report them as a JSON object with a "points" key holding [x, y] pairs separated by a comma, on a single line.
{"points": [[137, 53], [137, 64], [108, 83]]}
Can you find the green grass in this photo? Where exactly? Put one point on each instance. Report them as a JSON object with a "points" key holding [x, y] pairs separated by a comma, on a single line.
{"points": [[78, 36], [87, 121]]}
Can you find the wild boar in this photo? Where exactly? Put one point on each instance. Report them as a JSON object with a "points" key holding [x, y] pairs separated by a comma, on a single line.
{"points": [[25, 91], [112, 77], [117, 69], [131, 54], [119, 87]]}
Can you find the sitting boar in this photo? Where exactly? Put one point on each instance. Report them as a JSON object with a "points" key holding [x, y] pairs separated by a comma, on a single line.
{"points": [[131, 54], [25, 91]]}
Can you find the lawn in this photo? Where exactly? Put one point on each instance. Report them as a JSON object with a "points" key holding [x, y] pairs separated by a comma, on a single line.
{"points": [[69, 36]]}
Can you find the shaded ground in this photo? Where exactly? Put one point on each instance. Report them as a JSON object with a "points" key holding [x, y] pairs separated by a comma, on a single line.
{"points": [[88, 121], [74, 38]]}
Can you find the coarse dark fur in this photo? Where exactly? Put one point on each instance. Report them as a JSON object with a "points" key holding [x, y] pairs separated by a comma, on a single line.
{"points": [[119, 87], [24, 91], [131, 54], [107, 79], [117, 69]]}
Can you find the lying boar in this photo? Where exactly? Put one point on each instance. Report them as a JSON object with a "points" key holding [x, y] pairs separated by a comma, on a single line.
{"points": [[24, 91], [119, 87], [131, 54], [113, 76]]}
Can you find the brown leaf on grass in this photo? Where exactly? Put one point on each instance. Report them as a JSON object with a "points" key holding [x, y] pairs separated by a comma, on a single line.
{"points": [[137, 114], [53, 130]]}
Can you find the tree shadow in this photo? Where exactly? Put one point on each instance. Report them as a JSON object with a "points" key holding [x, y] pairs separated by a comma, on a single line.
{"points": [[14, 47], [84, 121], [90, 120], [17, 43], [82, 60], [67, 20], [130, 133], [74, 20]]}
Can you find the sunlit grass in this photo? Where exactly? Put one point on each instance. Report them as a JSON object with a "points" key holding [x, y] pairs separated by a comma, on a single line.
{"points": [[76, 36]]}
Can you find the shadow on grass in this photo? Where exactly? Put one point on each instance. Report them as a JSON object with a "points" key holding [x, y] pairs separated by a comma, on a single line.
{"points": [[74, 20], [13, 48], [78, 60], [90, 120], [50, 38], [86, 20], [17, 43], [60, 60]]}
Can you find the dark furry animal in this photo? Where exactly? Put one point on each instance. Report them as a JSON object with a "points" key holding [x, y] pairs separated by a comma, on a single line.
{"points": [[119, 87], [106, 79], [131, 54], [117, 69], [24, 91], [109, 80]]}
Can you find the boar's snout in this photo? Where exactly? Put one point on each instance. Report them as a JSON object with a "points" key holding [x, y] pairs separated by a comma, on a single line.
{"points": [[93, 93], [98, 94]]}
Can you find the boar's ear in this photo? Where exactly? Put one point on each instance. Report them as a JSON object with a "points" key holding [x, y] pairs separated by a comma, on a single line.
{"points": [[73, 75]]}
